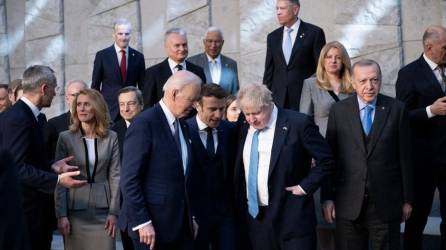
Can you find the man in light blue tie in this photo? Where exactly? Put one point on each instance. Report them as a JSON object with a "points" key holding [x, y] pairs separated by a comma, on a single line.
{"points": [[370, 191], [273, 174]]}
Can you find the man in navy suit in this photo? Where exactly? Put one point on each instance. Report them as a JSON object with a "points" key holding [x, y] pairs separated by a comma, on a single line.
{"points": [[421, 86], [175, 45], [117, 66], [155, 171], [292, 53], [21, 134], [213, 146], [274, 178]]}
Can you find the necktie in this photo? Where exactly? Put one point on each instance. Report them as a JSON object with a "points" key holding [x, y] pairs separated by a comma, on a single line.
{"points": [[123, 65], [253, 203], [367, 119], [443, 78], [176, 134], [210, 142], [41, 120], [287, 46], [179, 67]]}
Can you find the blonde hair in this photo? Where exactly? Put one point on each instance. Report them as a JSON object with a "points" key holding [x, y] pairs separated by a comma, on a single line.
{"points": [[321, 75], [101, 115]]}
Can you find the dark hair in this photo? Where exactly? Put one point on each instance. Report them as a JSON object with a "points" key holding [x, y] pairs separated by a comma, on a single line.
{"points": [[129, 89], [4, 86], [212, 89]]}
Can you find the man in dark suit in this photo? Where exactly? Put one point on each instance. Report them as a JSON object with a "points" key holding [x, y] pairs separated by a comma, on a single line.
{"points": [[117, 66], [21, 133], [218, 68], [370, 191], [291, 55], [175, 45], [155, 170], [421, 85], [213, 143], [273, 174]]}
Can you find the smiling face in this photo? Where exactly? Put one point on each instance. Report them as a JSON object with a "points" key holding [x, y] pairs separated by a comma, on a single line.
{"points": [[213, 43], [176, 47], [129, 106], [367, 81]]}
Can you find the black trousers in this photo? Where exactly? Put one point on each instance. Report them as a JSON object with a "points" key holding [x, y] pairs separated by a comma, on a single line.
{"points": [[427, 180], [217, 232], [368, 231]]}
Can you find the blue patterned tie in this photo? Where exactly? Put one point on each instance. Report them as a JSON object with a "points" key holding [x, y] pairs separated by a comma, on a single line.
{"points": [[253, 203], [288, 46], [367, 119]]}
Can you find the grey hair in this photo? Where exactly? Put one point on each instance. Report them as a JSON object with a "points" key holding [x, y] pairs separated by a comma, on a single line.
{"points": [[255, 94], [69, 83], [180, 79], [37, 75], [178, 31], [134, 89], [432, 34], [366, 63], [213, 29], [121, 21]]}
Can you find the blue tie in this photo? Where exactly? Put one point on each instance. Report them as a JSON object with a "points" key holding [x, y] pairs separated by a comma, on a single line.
{"points": [[253, 203], [288, 46], [367, 119]]}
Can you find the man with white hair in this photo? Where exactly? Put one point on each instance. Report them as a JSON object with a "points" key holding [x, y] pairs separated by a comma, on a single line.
{"points": [[273, 174], [155, 168], [218, 68], [117, 66]]}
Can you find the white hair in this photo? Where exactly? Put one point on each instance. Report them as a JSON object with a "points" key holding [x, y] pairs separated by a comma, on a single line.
{"points": [[180, 79], [254, 94], [213, 29]]}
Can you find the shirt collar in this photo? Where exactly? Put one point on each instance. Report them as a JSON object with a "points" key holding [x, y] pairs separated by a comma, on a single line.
{"points": [[362, 104], [127, 123], [31, 105], [173, 64], [118, 50], [431, 64], [201, 124], [295, 26], [169, 116], [217, 59]]}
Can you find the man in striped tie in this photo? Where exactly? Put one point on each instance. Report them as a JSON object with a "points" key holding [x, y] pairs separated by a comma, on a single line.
{"points": [[273, 174]]}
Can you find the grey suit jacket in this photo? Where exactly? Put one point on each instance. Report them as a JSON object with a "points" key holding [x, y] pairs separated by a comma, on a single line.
{"points": [[229, 73], [104, 191], [317, 103]]}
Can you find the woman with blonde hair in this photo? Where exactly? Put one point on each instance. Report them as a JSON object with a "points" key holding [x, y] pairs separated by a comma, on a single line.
{"points": [[331, 84], [87, 215]]}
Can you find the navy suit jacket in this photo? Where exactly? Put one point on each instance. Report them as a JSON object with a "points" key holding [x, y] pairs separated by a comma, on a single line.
{"points": [[157, 75], [107, 75], [286, 81], [153, 184], [418, 88], [212, 178], [296, 141]]}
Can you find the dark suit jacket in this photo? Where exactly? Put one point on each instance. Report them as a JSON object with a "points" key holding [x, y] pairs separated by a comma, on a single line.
{"points": [[107, 75], [296, 141], [212, 178], [52, 130], [381, 162], [157, 75], [153, 183], [120, 128], [286, 81], [418, 88]]}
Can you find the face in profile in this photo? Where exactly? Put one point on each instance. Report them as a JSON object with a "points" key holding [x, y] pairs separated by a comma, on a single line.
{"points": [[232, 112], [121, 34], [84, 108], [184, 99], [366, 81], [286, 12], [210, 110], [49, 91], [4, 100], [257, 117], [129, 106], [333, 61], [176, 47]]}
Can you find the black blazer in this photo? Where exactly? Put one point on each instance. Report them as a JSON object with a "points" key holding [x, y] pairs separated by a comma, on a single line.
{"points": [[120, 128], [418, 88], [107, 75], [286, 81], [380, 163], [157, 75], [296, 141], [51, 132], [212, 178], [153, 184]]}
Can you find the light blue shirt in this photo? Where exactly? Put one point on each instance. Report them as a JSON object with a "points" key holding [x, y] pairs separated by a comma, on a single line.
{"points": [[362, 106]]}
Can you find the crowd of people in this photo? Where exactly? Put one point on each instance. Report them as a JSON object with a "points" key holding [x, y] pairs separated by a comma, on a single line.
{"points": [[181, 156]]}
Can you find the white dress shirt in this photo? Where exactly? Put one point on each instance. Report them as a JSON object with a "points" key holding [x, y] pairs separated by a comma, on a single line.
{"points": [[215, 68], [266, 138], [118, 52], [293, 33], [204, 134], [173, 65], [33, 107]]}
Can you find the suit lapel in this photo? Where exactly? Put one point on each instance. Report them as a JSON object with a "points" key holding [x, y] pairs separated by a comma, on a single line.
{"points": [[382, 111], [298, 41], [429, 74], [185, 131], [355, 122], [280, 135], [205, 64], [221, 149], [113, 57], [131, 63], [279, 40], [195, 134]]}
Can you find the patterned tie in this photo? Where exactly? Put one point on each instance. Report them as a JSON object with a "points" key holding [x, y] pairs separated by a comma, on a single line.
{"points": [[367, 119], [123, 65], [210, 147], [288, 46], [443, 78], [253, 203]]}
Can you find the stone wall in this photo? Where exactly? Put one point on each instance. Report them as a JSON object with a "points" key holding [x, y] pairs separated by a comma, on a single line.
{"points": [[66, 34]]}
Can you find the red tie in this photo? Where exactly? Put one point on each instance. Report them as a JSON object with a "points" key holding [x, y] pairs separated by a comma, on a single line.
{"points": [[123, 65]]}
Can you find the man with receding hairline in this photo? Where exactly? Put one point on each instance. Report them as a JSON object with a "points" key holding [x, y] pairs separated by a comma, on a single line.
{"points": [[422, 85]]}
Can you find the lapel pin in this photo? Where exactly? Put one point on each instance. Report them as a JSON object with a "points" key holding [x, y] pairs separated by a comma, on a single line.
{"points": [[133, 54], [285, 128], [302, 35]]}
